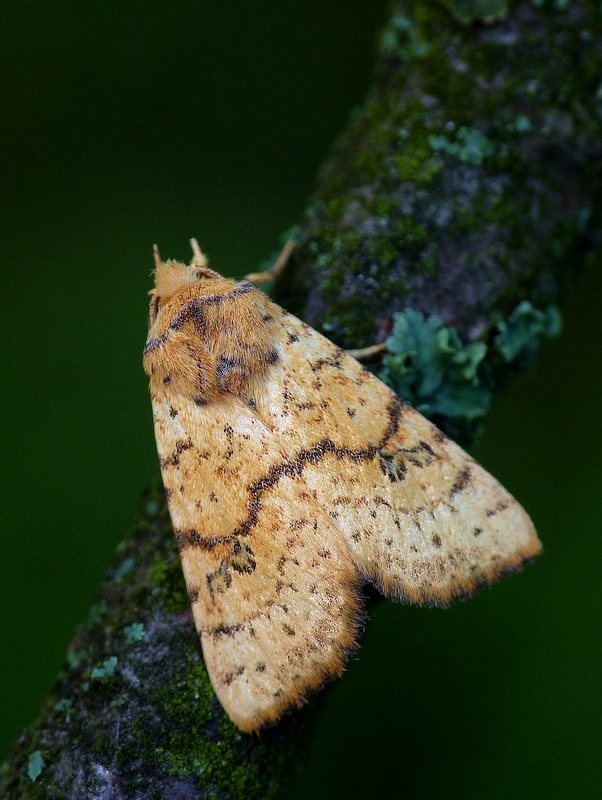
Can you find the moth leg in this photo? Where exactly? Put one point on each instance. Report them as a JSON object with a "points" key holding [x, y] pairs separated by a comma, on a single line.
{"points": [[276, 269], [368, 353]]}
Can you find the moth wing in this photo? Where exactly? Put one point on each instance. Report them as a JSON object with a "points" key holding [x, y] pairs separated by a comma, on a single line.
{"points": [[271, 580], [443, 527], [423, 521]]}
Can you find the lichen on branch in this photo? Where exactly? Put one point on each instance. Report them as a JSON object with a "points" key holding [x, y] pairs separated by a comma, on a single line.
{"points": [[468, 183]]}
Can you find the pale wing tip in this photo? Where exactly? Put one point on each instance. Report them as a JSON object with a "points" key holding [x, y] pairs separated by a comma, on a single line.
{"points": [[251, 713], [266, 714], [444, 590], [269, 712]]}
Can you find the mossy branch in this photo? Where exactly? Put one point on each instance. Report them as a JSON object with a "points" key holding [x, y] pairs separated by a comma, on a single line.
{"points": [[464, 191]]}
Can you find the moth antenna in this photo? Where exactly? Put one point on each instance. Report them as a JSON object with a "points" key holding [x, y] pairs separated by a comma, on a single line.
{"points": [[198, 257], [157, 256], [276, 269], [199, 261]]}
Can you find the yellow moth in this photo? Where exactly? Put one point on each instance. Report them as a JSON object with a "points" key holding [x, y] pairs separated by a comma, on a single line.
{"points": [[293, 476]]}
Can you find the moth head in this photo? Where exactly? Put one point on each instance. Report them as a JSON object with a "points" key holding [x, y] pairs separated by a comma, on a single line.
{"points": [[209, 336], [173, 276]]}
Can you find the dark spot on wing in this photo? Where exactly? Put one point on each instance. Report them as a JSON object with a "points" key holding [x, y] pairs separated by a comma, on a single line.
{"points": [[463, 480]]}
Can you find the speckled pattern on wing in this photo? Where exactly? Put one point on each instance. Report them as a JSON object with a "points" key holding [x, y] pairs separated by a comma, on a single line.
{"points": [[424, 522], [292, 475], [272, 584]]}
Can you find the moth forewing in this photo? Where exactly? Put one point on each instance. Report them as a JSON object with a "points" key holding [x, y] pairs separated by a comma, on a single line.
{"points": [[293, 474], [423, 520], [274, 612]]}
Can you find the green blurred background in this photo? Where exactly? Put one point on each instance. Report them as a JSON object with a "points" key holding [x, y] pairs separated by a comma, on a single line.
{"points": [[126, 124]]}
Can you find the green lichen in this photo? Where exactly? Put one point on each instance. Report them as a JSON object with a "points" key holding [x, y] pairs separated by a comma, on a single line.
{"points": [[105, 670], [469, 145], [96, 611], [405, 37], [35, 765], [519, 336], [123, 570], [75, 658], [134, 632], [153, 508], [428, 366], [64, 705], [561, 5], [452, 382], [521, 124]]}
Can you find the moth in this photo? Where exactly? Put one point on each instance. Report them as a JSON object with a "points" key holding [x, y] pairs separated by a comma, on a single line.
{"points": [[293, 476]]}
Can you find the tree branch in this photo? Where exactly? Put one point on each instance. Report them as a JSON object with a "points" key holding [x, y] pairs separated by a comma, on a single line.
{"points": [[463, 188]]}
